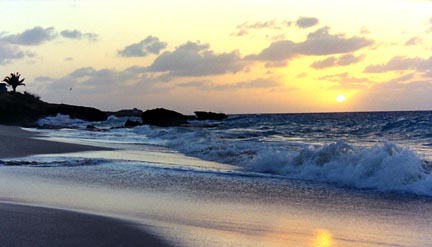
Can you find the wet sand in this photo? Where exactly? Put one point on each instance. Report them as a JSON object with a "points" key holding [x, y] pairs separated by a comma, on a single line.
{"points": [[23, 226], [15, 142]]}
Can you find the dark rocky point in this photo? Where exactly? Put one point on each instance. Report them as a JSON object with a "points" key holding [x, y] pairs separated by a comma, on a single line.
{"points": [[163, 118], [127, 113], [25, 109], [131, 124], [202, 115]]}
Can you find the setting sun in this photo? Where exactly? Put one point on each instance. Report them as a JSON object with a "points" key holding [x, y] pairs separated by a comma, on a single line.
{"points": [[340, 98]]}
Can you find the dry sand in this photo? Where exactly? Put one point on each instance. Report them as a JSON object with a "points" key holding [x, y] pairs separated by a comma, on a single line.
{"points": [[15, 142]]}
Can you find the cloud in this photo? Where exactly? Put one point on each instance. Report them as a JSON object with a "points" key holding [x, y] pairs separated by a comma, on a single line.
{"points": [[346, 81], [196, 59], [413, 41], [252, 84], [318, 43], [76, 34], [400, 63], [88, 80], [9, 53], [105, 88], [305, 22], [246, 27], [344, 78], [34, 36], [391, 95], [147, 46], [321, 64], [71, 34], [43, 79], [259, 25], [337, 61]]}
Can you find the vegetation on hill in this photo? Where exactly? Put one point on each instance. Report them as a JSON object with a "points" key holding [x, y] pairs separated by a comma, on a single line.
{"points": [[14, 81]]}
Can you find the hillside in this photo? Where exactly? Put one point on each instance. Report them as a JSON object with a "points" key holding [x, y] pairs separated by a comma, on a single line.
{"points": [[24, 109]]}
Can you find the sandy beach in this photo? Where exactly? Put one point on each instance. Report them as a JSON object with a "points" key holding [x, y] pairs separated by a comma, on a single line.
{"points": [[16, 142], [37, 226], [188, 201]]}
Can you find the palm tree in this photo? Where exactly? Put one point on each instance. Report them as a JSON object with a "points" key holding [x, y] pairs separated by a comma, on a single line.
{"points": [[14, 81]]}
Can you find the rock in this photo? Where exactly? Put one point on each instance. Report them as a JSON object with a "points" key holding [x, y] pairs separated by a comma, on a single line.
{"points": [[202, 115], [25, 109], [127, 113], [90, 127], [163, 118], [131, 124], [81, 112]]}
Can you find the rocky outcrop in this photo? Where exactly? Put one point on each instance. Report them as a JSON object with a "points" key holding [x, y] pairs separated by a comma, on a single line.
{"points": [[130, 123], [25, 109], [126, 113], [163, 118], [202, 115]]}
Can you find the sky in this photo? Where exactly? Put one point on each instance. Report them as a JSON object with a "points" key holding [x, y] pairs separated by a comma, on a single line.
{"points": [[233, 56]]}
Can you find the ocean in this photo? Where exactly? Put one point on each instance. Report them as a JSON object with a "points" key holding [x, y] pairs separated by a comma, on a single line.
{"points": [[384, 151], [321, 179]]}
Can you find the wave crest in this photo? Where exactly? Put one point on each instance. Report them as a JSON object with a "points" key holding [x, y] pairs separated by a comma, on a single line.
{"points": [[386, 167]]}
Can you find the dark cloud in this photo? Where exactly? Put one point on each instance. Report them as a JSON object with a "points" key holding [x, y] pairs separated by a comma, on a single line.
{"points": [[147, 46], [196, 59], [9, 53], [337, 61], [399, 63], [34, 36], [252, 84], [318, 43], [305, 22], [76, 34]]}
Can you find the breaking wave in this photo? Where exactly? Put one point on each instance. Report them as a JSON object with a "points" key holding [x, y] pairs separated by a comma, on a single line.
{"points": [[326, 148]]}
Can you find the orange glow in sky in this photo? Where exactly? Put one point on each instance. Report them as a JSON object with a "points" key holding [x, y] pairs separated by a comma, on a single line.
{"points": [[231, 56]]}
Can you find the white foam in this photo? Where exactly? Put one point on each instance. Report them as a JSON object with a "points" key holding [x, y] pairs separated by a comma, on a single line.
{"points": [[384, 167], [61, 120]]}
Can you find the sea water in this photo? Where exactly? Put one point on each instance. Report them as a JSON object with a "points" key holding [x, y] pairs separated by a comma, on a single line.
{"points": [[333, 179], [383, 151]]}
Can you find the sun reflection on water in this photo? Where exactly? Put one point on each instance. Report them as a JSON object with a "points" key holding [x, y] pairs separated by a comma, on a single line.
{"points": [[322, 238]]}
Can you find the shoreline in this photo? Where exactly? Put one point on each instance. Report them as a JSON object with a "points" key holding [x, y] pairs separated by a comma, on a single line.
{"points": [[16, 142], [29, 225]]}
